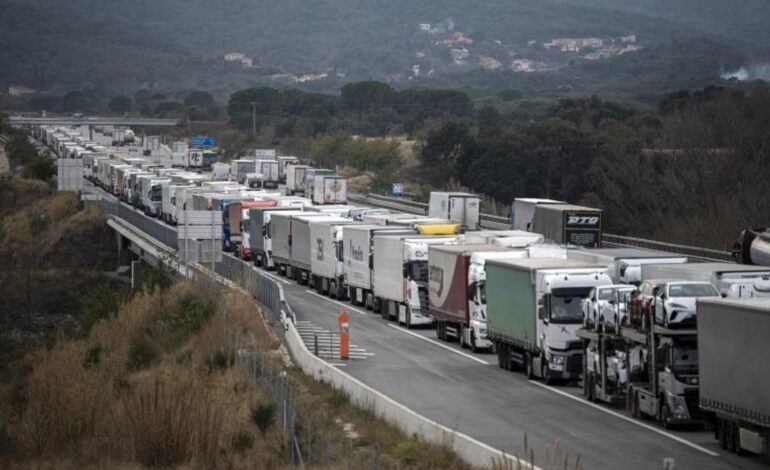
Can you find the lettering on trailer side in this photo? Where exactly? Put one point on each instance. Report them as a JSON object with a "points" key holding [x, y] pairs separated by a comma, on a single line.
{"points": [[320, 255], [356, 252]]}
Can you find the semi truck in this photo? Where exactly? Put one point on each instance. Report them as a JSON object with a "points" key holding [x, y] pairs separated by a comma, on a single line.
{"points": [[260, 240], [170, 195], [731, 280], [625, 264], [327, 267], [310, 176], [269, 171], [301, 243], [400, 277], [733, 353], [534, 312], [463, 208], [285, 161], [201, 159], [284, 228], [295, 179], [523, 211], [238, 220], [569, 224], [330, 189], [358, 253], [241, 167], [456, 290], [152, 195]]}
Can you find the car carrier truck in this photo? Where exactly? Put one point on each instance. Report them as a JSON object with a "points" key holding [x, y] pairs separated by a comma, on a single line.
{"points": [[534, 311]]}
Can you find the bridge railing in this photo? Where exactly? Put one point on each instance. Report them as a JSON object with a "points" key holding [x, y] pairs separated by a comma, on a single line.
{"points": [[152, 227]]}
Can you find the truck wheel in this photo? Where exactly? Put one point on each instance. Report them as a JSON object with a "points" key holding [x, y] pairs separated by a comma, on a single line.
{"points": [[500, 358], [474, 349], [546, 372], [369, 301], [377, 307], [408, 318], [720, 430], [528, 372], [729, 437], [635, 405], [440, 330], [665, 415], [589, 387], [461, 336], [332, 289]]}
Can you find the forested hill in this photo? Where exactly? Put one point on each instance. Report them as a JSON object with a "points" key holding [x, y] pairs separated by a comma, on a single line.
{"points": [[742, 22], [127, 44]]}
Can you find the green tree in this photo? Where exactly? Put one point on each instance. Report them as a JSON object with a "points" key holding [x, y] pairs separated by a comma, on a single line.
{"points": [[74, 101], [367, 95], [200, 99], [120, 104], [443, 149]]}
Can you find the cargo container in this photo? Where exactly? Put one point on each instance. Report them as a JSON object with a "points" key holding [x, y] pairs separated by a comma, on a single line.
{"points": [[327, 267], [462, 208], [284, 229], [523, 211], [569, 224], [733, 361], [260, 239], [625, 264], [730, 280], [400, 277], [534, 312], [201, 159], [330, 190], [358, 253], [304, 248], [309, 179], [295, 179]]}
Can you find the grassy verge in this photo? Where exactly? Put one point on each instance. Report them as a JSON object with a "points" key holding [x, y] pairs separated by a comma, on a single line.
{"points": [[161, 383]]}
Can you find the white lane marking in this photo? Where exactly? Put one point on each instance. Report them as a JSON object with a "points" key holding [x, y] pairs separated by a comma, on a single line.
{"points": [[348, 307], [404, 330], [338, 364], [272, 276], [630, 420]]}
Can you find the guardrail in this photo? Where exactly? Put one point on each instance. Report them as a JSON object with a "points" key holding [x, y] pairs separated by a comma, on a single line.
{"points": [[270, 293], [494, 222]]}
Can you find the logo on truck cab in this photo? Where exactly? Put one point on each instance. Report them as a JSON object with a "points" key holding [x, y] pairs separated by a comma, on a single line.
{"points": [[356, 253], [586, 220]]}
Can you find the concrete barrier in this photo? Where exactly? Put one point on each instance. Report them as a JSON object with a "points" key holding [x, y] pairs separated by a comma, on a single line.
{"points": [[469, 449]]}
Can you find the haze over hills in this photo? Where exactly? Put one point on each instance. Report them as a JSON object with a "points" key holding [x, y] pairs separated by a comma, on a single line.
{"points": [[174, 44]]}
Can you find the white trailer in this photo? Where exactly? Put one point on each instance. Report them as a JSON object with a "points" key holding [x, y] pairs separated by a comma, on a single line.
{"points": [[282, 228], [240, 168], [285, 161], [327, 266], [400, 277], [295, 179], [269, 171], [463, 208], [358, 253], [504, 238], [523, 211]]}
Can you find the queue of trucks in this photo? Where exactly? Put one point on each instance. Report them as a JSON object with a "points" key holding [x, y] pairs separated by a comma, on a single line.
{"points": [[666, 338]]}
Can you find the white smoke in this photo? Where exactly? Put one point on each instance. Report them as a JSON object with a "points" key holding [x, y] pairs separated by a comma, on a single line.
{"points": [[750, 72]]}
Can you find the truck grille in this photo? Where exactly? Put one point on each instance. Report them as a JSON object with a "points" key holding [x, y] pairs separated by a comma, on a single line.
{"points": [[423, 295], [575, 363]]}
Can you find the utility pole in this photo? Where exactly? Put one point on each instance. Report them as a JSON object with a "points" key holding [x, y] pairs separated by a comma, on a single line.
{"points": [[253, 117]]}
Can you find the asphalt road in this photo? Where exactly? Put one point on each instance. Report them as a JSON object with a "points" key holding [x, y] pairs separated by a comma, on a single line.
{"points": [[469, 393]]}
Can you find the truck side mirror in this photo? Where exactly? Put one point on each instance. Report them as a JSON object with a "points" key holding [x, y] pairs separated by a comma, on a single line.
{"points": [[472, 290], [541, 313]]}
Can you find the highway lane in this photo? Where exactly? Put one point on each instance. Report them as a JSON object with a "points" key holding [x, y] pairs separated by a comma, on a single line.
{"points": [[471, 394], [498, 407]]}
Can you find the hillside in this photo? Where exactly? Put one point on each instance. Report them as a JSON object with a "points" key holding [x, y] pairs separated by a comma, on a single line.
{"points": [[129, 44], [741, 22]]}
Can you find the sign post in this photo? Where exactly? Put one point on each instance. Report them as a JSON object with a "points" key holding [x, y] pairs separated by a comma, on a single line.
{"points": [[344, 324], [398, 189]]}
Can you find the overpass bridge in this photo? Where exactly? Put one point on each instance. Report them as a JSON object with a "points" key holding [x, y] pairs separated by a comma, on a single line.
{"points": [[91, 121]]}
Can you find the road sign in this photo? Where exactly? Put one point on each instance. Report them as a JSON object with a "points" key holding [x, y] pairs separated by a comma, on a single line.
{"points": [[203, 141], [398, 189]]}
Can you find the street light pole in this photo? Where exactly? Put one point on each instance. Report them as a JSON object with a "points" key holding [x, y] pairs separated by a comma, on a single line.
{"points": [[253, 117]]}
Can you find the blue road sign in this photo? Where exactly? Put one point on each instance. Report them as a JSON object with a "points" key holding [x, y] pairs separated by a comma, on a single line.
{"points": [[203, 141], [398, 189]]}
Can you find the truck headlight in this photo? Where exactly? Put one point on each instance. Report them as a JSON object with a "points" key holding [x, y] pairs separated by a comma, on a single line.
{"points": [[557, 359], [679, 407]]}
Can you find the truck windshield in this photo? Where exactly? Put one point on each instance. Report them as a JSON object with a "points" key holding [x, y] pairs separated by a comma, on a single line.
{"points": [[684, 359], [156, 193], [604, 294], [418, 271], [565, 304], [692, 290]]}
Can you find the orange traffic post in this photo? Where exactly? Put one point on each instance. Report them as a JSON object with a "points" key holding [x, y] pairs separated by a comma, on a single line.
{"points": [[344, 324]]}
